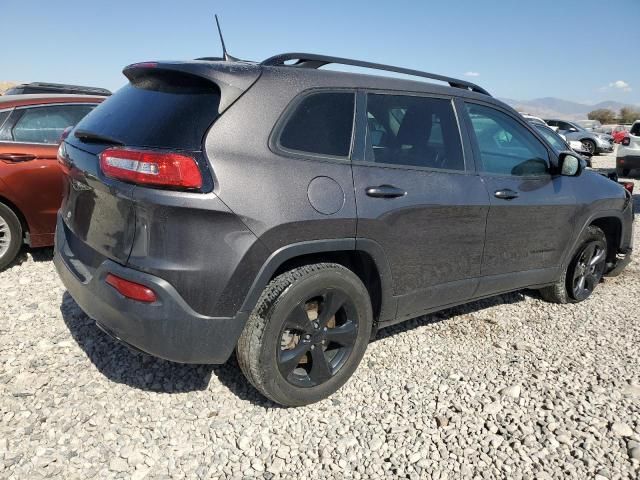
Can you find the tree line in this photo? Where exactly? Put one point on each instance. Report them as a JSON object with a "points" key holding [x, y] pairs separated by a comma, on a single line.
{"points": [[607, 116]]}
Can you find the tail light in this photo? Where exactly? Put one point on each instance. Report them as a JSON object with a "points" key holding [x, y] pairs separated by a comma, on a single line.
{"points": [[628, 186], [131, 290], [153, 168], [65, 133], [626, 141], [62, 157]]}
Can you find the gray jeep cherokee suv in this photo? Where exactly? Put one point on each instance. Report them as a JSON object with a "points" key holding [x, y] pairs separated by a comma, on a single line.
{"points": [[288, 212]]}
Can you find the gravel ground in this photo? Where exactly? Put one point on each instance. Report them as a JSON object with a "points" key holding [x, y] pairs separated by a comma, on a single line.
{"points": [[509, 387]]}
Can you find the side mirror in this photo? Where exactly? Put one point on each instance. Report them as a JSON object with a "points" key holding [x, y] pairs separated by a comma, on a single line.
{"points": [[569, 165]]}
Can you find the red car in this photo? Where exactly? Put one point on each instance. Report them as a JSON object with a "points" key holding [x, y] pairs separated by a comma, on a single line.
{"points": [[618, 133], [30, 176]]}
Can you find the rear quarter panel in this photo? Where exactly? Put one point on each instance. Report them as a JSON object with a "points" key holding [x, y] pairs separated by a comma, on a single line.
{"points": [[269, 191], [35, 187]]}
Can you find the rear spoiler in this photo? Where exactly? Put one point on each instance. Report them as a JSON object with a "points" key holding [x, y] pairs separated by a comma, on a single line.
{"points": [[232, 78]]}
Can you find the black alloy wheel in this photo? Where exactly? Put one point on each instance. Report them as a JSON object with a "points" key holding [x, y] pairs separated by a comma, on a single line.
{"points": [[307, 334], [317, 338], [588, 269]]}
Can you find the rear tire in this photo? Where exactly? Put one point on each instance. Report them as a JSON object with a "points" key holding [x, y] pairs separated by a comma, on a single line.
{"points": [[10, 236], [307, 334], [584, 271]]}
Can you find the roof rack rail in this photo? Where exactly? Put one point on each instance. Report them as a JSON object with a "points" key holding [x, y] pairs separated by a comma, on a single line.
{"points": [[53, 87], [311, 60]]}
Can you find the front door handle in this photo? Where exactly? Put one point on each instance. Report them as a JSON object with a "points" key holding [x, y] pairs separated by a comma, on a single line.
{"points": [[506, 194], [17, 157], [385, 191]]}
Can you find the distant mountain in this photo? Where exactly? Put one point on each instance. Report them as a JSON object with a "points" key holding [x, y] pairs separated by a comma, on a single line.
{"points": [[557, 107]]}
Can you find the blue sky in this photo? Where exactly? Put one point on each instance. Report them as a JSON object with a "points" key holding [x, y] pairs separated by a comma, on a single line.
{"points": [[581, 50]]}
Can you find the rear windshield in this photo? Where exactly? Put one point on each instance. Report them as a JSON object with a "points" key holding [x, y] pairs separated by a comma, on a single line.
{"points": [[166, 111]]}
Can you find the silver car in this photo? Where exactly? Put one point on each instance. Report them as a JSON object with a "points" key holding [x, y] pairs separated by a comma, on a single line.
{"points": [[561, 144], [594, 143]]}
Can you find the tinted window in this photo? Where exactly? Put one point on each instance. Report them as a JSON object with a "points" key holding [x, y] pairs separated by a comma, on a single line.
{"points": [[46, 124], [635, 130], [413, 131], [3, 117], [169, 111], [505, 146], [5, 127], [550, 136], [322, 123]]}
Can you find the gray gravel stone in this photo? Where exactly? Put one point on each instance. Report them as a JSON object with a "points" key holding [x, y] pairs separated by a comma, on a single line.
{"points": [[621, 429], [512, 391]]}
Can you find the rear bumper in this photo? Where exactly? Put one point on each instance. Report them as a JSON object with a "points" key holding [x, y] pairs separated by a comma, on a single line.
{"points": [[167, 328], [628, 161]]}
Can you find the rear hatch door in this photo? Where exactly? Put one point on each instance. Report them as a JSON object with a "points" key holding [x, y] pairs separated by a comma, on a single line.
{"points": [[167, 107]]}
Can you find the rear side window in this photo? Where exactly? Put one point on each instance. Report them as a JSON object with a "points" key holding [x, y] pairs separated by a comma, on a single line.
{"points": [[635, 129], [46, 124], [3, 117], [163, 110], [413, 131], [322, 123]]}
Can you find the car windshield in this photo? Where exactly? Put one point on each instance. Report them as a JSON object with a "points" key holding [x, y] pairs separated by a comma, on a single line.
{"points": [[552, 137]]}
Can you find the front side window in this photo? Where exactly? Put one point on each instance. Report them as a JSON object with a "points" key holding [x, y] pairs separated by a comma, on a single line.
{"points": [[413, 131], [322, 123], [552, 137], [505, 146], [46, 124]]}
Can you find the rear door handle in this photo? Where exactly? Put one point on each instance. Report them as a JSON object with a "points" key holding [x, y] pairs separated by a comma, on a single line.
{"points": [[506, 194], [385, 191], [17, 157]]}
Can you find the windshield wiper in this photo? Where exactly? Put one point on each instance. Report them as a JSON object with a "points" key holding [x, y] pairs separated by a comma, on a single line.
{"points": [[90, 137]]}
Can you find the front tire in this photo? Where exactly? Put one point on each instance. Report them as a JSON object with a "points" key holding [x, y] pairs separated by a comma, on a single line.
{"points": [[10, 236], [307, 334], [584, 271], [590, 146]]}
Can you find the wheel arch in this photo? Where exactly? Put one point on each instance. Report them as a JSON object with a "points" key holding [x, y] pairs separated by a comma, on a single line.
{"points": [[612, 228], [364, 257], [13, 207], [611, 223]]}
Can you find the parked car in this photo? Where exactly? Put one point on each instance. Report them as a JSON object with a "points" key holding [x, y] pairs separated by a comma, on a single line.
{"points": [[628, 155], [619, 132], [590, 125], [533, 119], [214, 206], [55, 88], [30, 177], [594, 142], [560, 144]]}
